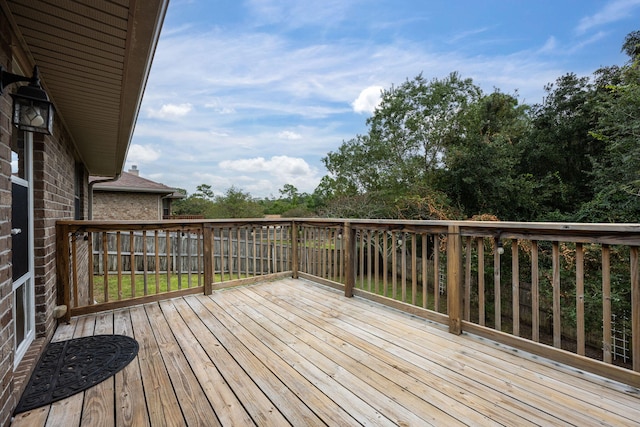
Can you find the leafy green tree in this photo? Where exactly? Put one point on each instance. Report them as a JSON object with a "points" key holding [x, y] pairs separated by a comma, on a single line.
{"points": [[194, 204], [481, 176], [558, 150], [235, 203], [404, 150], [616, 173]]}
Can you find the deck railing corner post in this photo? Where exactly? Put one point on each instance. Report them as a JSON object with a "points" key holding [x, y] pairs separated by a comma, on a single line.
{"points": [[63, 268], [454, 279]]}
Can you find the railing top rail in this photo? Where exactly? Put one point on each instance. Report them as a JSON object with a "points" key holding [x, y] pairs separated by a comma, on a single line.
{"points": [[628, 234]]}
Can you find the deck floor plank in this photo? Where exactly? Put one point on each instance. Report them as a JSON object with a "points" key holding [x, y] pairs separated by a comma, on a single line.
{"points": [[162, 402], [99, 400], [394, 401], [281, 359], [131, 406], [271, 404], [550, 380], [568, 406], [226, 404], [257, 405], [289, 352], [196, 408], [414, 372]]}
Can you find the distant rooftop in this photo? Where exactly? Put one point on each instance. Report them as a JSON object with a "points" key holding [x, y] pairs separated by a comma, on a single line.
{"points": [[131, 182]]}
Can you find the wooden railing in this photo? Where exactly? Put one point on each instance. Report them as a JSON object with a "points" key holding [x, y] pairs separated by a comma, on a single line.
{"points": [[116, 264], [570, 292]]}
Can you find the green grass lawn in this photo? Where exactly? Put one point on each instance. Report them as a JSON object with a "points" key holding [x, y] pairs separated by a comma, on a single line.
{"points": [[125, 291]]}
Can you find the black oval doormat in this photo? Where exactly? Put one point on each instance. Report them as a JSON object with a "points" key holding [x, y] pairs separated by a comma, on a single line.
{"points": [[69, 367]]}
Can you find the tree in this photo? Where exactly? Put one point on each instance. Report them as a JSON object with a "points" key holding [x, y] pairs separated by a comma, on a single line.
{"points": [[204, 191], [236, 204], [559, 148], [481, 176], [406, 146], [616, 173]]}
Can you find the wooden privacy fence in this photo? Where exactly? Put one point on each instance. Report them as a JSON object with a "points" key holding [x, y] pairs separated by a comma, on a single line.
{"points": [[570, 292]]}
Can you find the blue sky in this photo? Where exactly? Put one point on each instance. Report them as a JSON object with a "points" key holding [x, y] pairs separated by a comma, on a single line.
{"points": [[253, 93]]}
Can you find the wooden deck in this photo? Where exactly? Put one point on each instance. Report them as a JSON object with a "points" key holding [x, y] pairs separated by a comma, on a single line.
{"points": [[292, 353]]}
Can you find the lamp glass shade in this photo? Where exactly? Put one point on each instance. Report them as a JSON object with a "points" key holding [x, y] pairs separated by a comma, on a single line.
{"points": [[32, 110]]}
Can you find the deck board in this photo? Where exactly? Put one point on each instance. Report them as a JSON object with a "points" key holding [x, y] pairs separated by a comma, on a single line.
{"points": [[289, 352]]}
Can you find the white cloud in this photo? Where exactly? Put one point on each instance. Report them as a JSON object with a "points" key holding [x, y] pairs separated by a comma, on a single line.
{"points": [[287, 134], [549, 46], [169, 111], [368, 100], [141, 154], [612, 12]]}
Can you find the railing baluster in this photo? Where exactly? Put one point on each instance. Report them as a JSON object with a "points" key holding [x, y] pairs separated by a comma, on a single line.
{"points": [[156, 243], [145, 263], [74, 263], [385, 263], [414, 269], [467, 280], [635, 308], [348, 236], [436, 273], [119, 262], [361, 269], [394, 265], [105, 266], [132, 264], [535, 293], [369, 266], [425, 283], [376, 260], [208, 243], [403, 275], [606, 304], [580, 338], [497, 294], [481, 297], [91, 272], [323, 252], [238, 254], [515, 286], [557, 319]]}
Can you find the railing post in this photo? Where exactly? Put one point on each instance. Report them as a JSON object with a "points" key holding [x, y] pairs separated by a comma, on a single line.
{"points": [[294, 250], [63, 268], [207, 253], [349, 258], [454, 279]]}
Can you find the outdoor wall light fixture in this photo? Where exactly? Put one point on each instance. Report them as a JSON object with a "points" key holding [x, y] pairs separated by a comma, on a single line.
{"points": [[32, 110]]}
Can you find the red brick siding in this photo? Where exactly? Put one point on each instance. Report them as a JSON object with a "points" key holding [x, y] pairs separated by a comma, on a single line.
{"points": [[7, 399], [54, 160]]}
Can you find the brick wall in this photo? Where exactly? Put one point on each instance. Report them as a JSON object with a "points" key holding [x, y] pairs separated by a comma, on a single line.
{"points": [[112, 205], [54, 160], [53, 194], [7, 401]]}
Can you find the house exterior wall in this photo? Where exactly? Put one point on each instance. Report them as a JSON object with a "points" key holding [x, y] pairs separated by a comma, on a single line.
{"points": [[54, 160], [114, 205]]}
